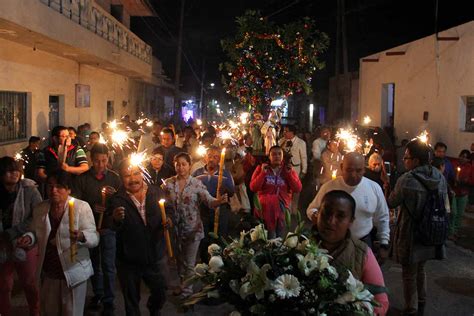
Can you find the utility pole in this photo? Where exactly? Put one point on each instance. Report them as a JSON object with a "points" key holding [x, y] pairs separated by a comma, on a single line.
{"points": [[177, 99], [203, 75]]}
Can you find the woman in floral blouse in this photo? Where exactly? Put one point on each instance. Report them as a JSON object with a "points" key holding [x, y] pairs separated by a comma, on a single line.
{"points": [[187, 193]]}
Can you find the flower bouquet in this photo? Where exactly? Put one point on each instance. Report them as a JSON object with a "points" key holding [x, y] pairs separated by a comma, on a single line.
{"points": [[279, 277]]}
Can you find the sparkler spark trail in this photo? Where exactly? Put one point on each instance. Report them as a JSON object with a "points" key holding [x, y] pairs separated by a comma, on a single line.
{"points": [[244, 116], [113, 124]]}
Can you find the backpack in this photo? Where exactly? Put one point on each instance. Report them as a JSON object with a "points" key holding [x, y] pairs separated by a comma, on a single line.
{"points": [[432, 227]]}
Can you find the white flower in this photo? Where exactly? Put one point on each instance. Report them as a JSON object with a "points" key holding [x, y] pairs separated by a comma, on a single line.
{"points": [[258, 232], [307, 263], [286, 286], [291, 242], [201, 269], [215, 264], [303, 245], [214, 249]]}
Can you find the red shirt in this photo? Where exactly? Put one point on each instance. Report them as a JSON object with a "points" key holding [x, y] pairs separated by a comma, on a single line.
{"points": [[52, 267]]}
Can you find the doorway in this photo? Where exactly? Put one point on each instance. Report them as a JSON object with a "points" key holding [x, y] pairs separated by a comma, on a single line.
{"points": [[53, 111], [388, 105]]}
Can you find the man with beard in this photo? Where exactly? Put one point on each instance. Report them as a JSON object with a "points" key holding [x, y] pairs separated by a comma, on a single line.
{"points": [[135, 216]]}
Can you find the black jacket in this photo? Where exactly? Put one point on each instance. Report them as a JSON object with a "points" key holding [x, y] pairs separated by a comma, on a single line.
{"points": [[137, 243]]}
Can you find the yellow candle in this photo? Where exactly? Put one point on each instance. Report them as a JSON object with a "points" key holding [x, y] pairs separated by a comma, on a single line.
{"points": [[166, 232], [101, 214], [218, 193], [72, 228], [334, 174]]}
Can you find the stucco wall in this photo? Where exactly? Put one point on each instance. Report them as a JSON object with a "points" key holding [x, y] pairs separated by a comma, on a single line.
{"points": [[424, 82], [42, 74]]}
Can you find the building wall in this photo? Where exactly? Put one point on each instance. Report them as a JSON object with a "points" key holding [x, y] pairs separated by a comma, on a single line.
{"points": [[424, 82], [42, 74]]}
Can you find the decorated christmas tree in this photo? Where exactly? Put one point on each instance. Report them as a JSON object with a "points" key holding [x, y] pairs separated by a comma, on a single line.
{"points": [[267, 61]]}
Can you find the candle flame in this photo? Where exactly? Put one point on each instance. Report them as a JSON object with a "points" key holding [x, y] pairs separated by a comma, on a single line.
{"points": [[71, 201], [162, 201], [199, 122], [334, 174]]}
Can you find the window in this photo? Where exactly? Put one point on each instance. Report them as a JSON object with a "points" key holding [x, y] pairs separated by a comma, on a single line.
{"points": [[13, 116], [469, 121]]}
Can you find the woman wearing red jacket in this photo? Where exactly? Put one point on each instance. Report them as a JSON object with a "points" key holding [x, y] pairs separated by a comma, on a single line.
{"points": [[274, 183], [464, 179]]}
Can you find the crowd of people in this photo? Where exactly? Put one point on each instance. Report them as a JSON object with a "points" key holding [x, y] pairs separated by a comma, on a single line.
{"points": [[81, 209]]}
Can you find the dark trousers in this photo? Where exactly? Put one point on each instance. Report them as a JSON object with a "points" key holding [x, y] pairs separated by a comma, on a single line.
{"points": [[103, 263], [130, 277], [207, 217]]}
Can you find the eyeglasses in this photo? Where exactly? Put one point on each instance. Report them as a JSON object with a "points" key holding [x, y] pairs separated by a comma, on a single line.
{"points": [[407, 158]]}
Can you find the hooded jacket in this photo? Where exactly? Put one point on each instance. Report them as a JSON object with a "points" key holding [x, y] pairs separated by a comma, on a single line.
{"points": [[411, 195]]}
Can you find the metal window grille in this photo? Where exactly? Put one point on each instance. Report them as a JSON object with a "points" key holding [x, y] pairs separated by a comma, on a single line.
{"points": [[469, 127], [13, 116]]}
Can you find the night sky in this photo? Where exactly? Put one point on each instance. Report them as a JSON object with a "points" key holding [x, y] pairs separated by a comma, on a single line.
{"points": [[372, 26]]}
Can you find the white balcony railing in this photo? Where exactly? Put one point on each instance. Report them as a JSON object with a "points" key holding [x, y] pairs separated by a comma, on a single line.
{"points": [[91, 16]]}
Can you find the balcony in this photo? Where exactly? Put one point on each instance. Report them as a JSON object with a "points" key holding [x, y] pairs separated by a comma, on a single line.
{"points": [[76, 29]]}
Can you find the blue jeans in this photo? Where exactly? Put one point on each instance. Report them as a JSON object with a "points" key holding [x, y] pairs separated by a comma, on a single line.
{"points": [[103, 263]]}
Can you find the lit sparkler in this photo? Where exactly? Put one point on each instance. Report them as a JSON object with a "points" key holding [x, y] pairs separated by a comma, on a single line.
{"points": [[244, 116], [18, 157], [140, 121], [349, 138], [201, 150], [367, 120], [423, 137], [137, 159], [113, 124], [149, 123], [119, 137]]}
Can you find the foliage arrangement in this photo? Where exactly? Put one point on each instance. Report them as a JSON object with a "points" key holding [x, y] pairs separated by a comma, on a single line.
{"points": [[290, 276], [267, 61]]}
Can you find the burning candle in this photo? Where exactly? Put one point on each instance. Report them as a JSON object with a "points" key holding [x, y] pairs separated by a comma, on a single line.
{"points": [[218, 194], [166, 232], [458, 170], [72, 228], [101, 214], [334, 174]]}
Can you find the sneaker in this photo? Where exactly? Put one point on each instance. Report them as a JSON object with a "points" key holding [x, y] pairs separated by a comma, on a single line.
{"points": [[95, 302]]}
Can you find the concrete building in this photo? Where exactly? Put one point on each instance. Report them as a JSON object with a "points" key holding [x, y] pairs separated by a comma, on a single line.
{"points": [[425, 84], [73, 61]]}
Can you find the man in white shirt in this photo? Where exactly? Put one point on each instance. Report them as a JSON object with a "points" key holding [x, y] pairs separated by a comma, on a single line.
{"points": [[319, 145], [295, 147], [371, 207]]}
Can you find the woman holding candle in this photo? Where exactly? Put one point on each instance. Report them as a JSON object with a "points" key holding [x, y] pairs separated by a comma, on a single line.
{"points": [[463, 180], [187, 192], [63, 273], [331, 160]]}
